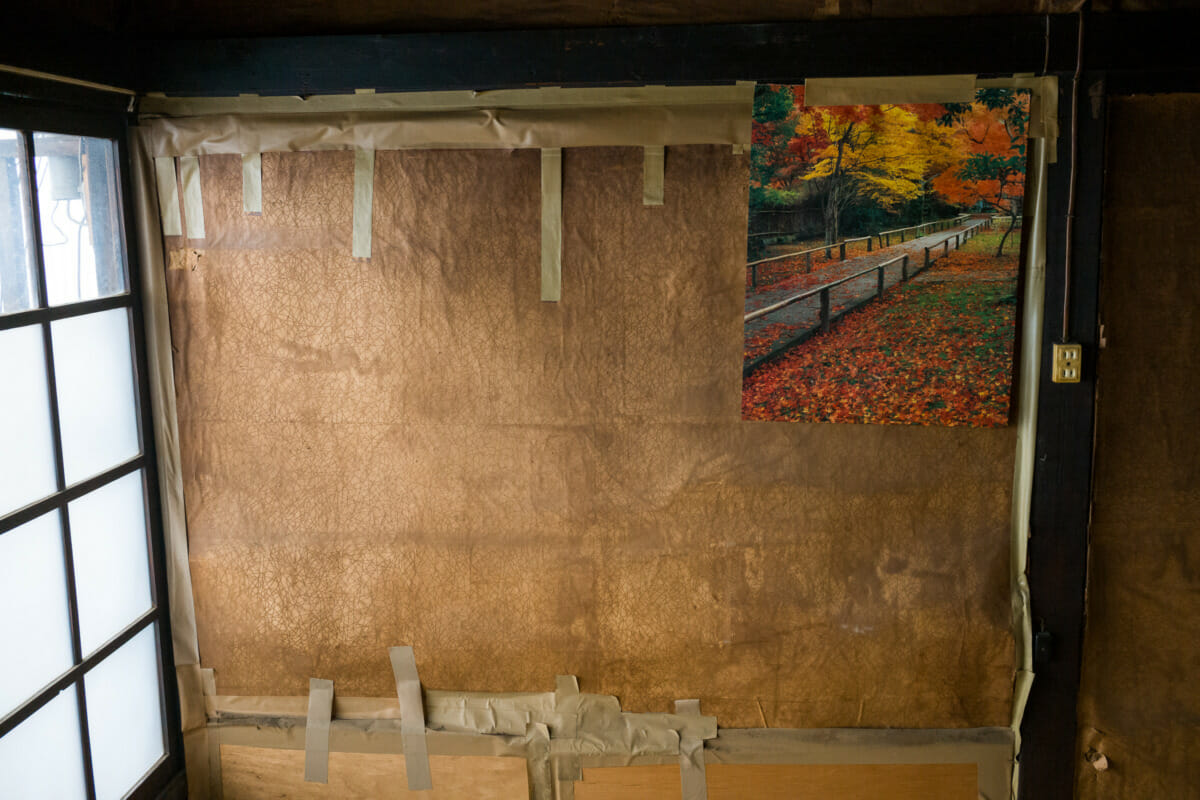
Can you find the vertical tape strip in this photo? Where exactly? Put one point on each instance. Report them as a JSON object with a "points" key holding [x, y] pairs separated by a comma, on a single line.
{"points": [[168, 196], [216, 783], [539, 770], [252, 183], [316, 732], [653, 164], [691, 757], [412, 718], [193, 203], [568, 767], [552, 224], [364, 195]]}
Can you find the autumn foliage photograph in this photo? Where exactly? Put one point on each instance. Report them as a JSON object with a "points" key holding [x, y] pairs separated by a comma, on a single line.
{"points": [[883, 257]]}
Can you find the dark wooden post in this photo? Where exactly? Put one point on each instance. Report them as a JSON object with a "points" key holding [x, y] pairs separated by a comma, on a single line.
{"points": [[828, 251], [879, 289], [869, 242], [904, 268], [947, 243], [825, 310], [843, 252], [808, 260], [926, 259], [754, 276]]}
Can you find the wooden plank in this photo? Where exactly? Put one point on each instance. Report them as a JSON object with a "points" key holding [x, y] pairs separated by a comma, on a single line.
{"points": [[777, 53], [1061, 499], [262, 773], [788, 782]]}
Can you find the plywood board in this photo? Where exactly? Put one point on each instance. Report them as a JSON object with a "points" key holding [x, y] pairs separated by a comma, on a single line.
{"points": [[787, 782], [1139, 701], [261, 773]]}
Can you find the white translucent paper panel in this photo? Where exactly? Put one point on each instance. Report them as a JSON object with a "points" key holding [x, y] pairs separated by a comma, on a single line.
{"points": [[94, 373], [80, 217], [26, 446], [41, 759], [18, 291], [124, 715], [35, 631], [112, 572]]}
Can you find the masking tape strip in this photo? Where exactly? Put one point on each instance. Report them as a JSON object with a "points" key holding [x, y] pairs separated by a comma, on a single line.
{"points": [[1043, 106], [316, 731], [1029, 367], [525, 118], [168, 196], [552, 224], [252, 183], [364, 189], [691, 756], [193, 203], [216, 786], [876, 91], [544, 98], [161, 381], [537, 761], [209, 681], [566, 705], [567, 766], [653, 166], [412, 718]]}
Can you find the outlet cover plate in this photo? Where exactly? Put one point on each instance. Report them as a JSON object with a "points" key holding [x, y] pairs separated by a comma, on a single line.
{"points": [[1067, 359]]}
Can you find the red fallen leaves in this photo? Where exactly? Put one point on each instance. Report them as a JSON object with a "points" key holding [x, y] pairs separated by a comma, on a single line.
{"points": [[763, 340], [930, 353]]}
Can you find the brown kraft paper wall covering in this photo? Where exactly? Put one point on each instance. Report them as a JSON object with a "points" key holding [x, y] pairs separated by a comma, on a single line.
{"points": [[413, 449], [1139, 702]]}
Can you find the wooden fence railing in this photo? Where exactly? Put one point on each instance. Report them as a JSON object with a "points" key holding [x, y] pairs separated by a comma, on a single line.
{"points": [[958, 238], [823, 291], [882, 237], [926, 228]]}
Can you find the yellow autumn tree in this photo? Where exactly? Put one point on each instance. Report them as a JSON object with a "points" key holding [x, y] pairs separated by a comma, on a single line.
{"points": [[879, 154]]}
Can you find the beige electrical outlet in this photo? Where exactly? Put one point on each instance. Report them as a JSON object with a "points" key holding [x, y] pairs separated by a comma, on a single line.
{"points": [[1067, 359]]}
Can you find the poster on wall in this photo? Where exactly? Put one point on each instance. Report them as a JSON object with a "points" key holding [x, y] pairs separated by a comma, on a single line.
{"points": [[883, 254]]}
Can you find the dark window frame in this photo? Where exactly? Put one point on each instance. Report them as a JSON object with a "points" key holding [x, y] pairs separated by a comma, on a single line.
{"points": [[51, 117]]}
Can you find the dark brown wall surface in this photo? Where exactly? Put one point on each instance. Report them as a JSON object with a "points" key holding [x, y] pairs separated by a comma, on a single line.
{"points": [[1139, 697], [415, 450]]}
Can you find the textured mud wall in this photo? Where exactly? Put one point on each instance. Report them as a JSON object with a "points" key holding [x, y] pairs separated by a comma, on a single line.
{"points": [[1139, 701], [415, 450]]}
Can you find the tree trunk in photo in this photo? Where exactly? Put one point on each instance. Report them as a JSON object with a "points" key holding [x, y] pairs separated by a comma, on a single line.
{"points": [[1012, 223], [1012, 217], [831, 216], [833, 200]]}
